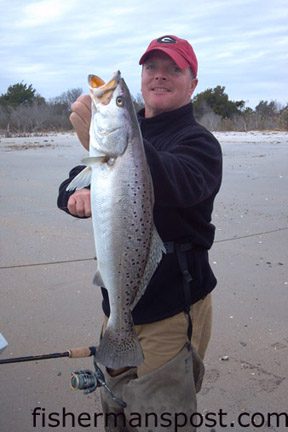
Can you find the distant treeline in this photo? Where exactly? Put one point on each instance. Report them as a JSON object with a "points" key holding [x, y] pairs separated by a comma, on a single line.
{"points": [[24, 111]]}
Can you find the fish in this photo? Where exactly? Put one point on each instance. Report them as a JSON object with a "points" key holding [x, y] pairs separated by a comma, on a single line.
{"points": [[127, 245]]}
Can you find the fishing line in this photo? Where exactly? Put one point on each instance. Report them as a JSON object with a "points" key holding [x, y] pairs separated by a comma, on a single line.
{"points": [[94, 258], [251, 235], [47, 263]]}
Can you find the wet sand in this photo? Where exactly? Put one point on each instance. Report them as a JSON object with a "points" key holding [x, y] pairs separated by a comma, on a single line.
{"points": [[48, 303]]}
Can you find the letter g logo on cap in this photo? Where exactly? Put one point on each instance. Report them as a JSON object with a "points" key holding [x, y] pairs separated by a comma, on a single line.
{"points": [[166, 39]]}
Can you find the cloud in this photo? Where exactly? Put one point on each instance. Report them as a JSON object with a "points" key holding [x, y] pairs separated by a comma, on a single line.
{"points": [[44, 12], [55, 44]]}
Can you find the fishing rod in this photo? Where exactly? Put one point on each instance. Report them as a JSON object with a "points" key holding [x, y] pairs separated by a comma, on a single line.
{"points": [[71, 353], [83, 379]]}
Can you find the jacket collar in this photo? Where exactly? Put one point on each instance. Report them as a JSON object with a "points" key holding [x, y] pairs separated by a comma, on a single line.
{"points": [[166, 116]]}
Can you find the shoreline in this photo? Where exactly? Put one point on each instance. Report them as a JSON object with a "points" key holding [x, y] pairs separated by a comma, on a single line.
{"points": [[50, 308]]}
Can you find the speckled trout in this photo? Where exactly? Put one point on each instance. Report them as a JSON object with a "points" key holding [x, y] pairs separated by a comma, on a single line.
{"points": [[128, 247]]}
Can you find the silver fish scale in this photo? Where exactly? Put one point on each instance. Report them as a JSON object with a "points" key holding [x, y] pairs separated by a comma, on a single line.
{"points": [[138, 248], [136, 245], [139, 235]]}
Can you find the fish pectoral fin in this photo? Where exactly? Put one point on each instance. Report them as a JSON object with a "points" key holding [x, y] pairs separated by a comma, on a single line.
{"points": [[91, 160], [97, 280], [82, 180]]}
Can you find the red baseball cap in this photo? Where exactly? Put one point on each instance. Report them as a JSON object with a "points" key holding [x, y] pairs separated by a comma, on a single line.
{"points": [[180, 51]]}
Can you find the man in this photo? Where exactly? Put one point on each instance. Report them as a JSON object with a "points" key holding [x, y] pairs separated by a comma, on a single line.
{"points": [[186, 166]]}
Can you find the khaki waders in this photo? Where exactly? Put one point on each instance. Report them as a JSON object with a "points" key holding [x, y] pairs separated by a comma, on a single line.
{"points": [[161, 393]]}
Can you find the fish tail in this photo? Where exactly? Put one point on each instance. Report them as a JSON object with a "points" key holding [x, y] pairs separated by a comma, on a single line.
{"points": [[116, 351]]}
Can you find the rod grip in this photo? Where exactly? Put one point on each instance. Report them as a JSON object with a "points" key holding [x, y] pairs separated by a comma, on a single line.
{"points": [[81, 352]]}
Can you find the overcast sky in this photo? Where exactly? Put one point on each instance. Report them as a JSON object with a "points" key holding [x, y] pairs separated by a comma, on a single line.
{"points": [[55, 44]]}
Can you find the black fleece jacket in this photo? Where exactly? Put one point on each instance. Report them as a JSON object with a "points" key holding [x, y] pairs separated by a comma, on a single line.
{"points": [[186, 167]]}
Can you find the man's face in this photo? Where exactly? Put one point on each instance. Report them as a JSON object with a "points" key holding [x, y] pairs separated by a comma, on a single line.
{"points": [[165, 86]]}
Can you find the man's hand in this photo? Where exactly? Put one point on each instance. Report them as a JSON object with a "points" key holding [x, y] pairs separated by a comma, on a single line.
{"points": [[80, 118], [79, 203]]}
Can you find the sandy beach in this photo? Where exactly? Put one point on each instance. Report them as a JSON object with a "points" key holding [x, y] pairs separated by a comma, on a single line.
{"points": [[48, 303]]}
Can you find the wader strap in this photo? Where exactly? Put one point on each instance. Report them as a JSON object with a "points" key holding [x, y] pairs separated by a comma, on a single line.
{"points": [[187, 278]]}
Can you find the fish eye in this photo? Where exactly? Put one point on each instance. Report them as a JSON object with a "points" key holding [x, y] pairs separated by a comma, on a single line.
{"points": [[120, 101]]}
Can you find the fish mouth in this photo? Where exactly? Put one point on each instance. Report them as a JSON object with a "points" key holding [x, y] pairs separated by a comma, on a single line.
{"points": [[102, 92]]}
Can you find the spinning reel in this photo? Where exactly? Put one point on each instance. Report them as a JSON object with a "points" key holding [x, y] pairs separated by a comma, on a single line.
{"points": [[88, 381], [83, 379]]}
